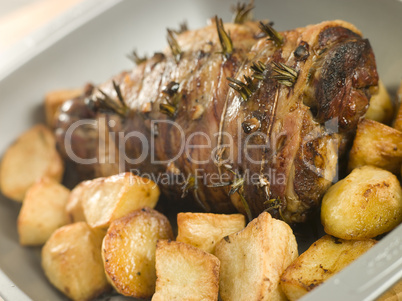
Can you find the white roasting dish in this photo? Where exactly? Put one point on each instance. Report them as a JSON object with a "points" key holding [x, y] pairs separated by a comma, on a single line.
{"points": [[90, 42]]}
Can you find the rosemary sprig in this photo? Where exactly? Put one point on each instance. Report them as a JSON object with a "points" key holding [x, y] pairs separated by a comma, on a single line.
{"points": [[183, 27], [174, 45], [258, 70], [137, 59], [238, 186], [118, 92], [250, 84], [220, 184], [286, 75], [108, 105], [265, 185], [275, 204], [172, 99], [191, 184], [272, 34], [243, 12], [224, 38], [240, 87], [244, 89], [219, 162], [246, 206], [168, 109]]}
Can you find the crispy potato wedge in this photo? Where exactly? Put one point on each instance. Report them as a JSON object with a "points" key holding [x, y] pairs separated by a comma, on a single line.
{"points": [[185, 272], [72, 261], [53, 101], [128, 251], [398, 118], [31, 157], [376, 144], [253, 260], [381, 107], [324, 258], [205, 230], [74, 207], [367, 203], [107, 199], [42, 212]]}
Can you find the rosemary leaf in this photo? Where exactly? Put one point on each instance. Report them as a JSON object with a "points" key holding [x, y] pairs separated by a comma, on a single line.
{"points": [[135, 58], [272, 34], [243, 12], [168, 109], [174, 45], [285, 74], [246, 207], [258, 70], [224, 38]]}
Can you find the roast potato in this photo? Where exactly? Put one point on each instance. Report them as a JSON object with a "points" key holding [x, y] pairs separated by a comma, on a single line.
{"points": [[381, 107], [367, 203], [398, 117], [72, 261], [31, 157], [205, 230], [107, 199], [53, 101], [185, 273], [128, 251], [392, 294], [74, 207], [376, 144], [42, 212], [326, 257], [253, 260]]}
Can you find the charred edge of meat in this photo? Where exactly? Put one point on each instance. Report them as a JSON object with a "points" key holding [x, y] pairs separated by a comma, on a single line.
{"points": [[338, 83], [332, 35]]}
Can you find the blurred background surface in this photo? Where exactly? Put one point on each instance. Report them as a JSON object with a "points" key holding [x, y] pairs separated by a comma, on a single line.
{"points": [[19, 18]]}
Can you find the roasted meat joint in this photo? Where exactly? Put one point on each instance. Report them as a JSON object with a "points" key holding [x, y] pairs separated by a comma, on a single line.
{"points": [[233, 116]]}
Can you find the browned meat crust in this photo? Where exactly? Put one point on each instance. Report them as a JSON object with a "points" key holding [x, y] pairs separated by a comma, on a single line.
{"points": [[275, 148]]}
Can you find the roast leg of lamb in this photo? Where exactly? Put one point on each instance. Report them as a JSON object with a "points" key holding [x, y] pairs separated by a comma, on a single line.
{"points": [[233, 116]]}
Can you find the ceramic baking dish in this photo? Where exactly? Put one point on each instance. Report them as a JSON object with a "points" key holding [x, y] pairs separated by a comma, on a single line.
{"points": [[90, 43]]}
